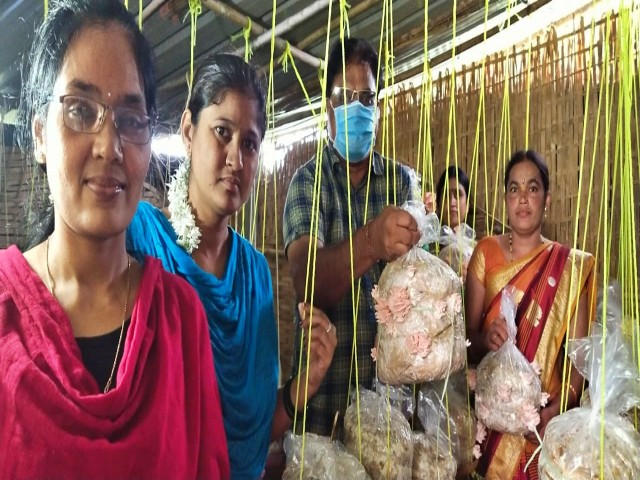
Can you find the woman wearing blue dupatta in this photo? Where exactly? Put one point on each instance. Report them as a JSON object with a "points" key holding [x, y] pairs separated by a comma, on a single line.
{"points": [[222, 129]]}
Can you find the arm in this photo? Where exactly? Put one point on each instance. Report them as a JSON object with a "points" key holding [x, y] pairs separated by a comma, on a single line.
{"points": [[474, 307], [386, 237], [495, 336], [323, 344]]}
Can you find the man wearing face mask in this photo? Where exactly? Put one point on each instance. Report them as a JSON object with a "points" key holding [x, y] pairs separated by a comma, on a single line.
{"points": [[386, 233]]}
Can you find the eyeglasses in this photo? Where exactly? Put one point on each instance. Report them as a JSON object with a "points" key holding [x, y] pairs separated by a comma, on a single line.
{"points": [[84, 115], [340, 94]]}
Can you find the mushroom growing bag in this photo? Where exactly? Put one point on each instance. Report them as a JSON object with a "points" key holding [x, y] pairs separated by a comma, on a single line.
{"points": [[458, 246], [418, 305], [460, 412], [586, 442], [435, 452], [508, 390], [383, 437], [323, 459]]}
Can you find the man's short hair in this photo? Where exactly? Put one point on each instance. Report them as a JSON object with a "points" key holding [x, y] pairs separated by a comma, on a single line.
{"points": [[355, 50]]}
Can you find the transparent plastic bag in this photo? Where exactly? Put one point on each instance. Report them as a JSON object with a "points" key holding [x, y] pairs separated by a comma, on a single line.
{"points": [[571, 447], [400, 397], [437, 449], [573, 441], [613, 316], [508, 389], [458, 246], [385, 437], [429, 461], [323, 459], [421, 333], [461, 413]]}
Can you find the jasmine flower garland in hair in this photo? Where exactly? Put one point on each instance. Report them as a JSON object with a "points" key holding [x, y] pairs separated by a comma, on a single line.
{"points": [[182, 219]]}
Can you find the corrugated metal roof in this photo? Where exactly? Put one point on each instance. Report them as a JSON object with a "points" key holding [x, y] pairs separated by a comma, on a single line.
{"points": [[168, 29]]}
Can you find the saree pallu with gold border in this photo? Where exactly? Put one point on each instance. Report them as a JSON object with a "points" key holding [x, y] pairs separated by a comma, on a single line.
{"points": [[549, 283]]}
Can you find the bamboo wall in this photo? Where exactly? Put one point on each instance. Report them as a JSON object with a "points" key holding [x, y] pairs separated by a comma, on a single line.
{"points": [[13, 194]]}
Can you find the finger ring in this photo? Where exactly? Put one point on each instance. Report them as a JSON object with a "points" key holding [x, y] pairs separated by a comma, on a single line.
{"points": [[329, 327]]}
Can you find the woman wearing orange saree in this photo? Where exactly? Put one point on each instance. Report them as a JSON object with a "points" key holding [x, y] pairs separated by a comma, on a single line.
{"points": [[554, 290]]}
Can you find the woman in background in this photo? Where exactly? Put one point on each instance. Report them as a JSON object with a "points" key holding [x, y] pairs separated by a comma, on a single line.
{"points": [[451, 204], [453, 208]]}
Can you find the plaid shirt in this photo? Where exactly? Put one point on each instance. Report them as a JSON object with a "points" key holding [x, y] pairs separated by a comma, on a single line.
{"points": [[333, 227]]}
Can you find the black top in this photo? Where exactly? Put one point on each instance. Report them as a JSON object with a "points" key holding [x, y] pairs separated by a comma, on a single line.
{"points": [[98, 354]]}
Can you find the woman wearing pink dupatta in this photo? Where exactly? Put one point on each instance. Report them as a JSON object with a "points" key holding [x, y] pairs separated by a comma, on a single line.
{"points": [[107, 370]]}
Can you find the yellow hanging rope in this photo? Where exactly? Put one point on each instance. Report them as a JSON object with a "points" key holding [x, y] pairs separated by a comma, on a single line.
{"points": [[480, 124], [627, 248], [566, 367], [46, 8], [423, 157], [313, 243], [195, 9], [606, 234], [245, 33], [452, 104], [526, 121], [504, 136], [287, 59], [634, 294], [344, 28], [140, 15]]}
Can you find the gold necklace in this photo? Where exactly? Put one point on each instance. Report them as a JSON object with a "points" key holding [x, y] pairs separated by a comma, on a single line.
{"points": [[511, 245], [124, 319]]}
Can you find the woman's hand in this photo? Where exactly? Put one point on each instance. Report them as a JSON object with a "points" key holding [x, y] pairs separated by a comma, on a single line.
{"points": [[496, 334], [323, 344], [392, 233], [429, 202], [464, 266], [546, 414]]}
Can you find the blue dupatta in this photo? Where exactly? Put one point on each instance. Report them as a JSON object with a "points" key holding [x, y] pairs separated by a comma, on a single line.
{"points": [[242, 328]]}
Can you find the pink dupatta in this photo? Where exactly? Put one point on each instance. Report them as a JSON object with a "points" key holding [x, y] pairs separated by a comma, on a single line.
{"points": [[163, 418]]}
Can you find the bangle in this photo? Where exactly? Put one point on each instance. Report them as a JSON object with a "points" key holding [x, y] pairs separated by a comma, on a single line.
{"points": [[287, 403], [366, 234]]}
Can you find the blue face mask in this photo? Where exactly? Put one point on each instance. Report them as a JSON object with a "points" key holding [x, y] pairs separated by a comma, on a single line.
{"points": [[361, 131]]}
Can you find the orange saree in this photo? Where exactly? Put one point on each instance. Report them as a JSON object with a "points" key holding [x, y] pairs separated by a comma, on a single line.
{"points": [[549, 283]]}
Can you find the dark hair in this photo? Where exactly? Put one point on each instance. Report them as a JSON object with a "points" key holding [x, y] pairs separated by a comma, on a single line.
{"points": [[355, 50], [218, 74], [534, 157], [446, 175], [40, 70]]}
